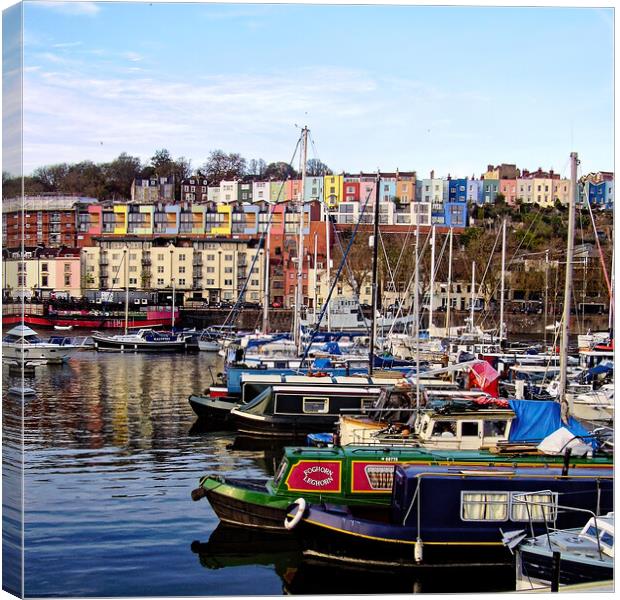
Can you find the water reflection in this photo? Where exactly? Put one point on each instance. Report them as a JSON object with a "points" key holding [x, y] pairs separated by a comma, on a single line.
{"points": [[232, 547]]}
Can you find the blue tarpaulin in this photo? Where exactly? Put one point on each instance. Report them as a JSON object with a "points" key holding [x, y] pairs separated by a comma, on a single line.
{"points": [[536, 420], [322, 363], [332, 348]]}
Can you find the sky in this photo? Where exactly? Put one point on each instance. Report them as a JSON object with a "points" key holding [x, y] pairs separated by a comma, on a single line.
{"points": [[451, 89]]}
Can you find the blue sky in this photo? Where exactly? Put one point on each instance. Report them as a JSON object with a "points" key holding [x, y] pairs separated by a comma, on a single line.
{"points": [[444, 88]]}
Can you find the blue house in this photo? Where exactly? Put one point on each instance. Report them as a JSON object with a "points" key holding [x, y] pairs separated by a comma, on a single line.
{"points": [[490, 189], [457, 190], [474, 191], [455, 214]]}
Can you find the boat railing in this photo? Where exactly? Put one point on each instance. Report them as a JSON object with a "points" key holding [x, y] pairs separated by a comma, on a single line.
{"points": [[530, 504]]}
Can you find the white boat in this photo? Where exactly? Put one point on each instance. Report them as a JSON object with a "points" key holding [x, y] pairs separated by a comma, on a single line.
{"points": [[586, 555], [23, 344], [145, 340], [21, 391], [597, 405], [63, 327]]}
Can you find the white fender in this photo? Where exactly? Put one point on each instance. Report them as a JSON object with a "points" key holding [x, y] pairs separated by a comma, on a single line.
{"points": [[290, 524], [417, 551]]}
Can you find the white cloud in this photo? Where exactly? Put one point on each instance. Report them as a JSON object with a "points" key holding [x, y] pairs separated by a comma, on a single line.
{"points": [[73, 7]]}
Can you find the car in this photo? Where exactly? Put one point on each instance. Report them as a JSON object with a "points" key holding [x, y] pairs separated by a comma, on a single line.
{"points": [[276, 305]]}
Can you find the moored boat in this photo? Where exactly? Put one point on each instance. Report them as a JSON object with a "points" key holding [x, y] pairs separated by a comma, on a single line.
{"points": [[22, 344], [144, 340], [354, 475], [447, 515]]}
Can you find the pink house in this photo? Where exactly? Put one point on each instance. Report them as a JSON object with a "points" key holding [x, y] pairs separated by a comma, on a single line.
{"points": [[508, 188]]}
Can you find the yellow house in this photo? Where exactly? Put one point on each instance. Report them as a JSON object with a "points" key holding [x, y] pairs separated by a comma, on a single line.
{"points": [[120, 219], [332, 189], [542, 192], [226, 227]]}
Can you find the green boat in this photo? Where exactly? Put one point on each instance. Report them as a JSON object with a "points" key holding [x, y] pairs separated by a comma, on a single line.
{"points": [[359, 476]]}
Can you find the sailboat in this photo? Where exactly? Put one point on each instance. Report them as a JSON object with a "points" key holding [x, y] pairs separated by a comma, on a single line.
{"points": [[144, 340]]}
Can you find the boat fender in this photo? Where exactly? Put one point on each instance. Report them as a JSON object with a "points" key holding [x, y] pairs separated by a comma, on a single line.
{"points": [[290, 524], [417, 551], [198, 493]]}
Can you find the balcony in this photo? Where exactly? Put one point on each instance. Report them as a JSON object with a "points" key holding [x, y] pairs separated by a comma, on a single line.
{"points": [[197, 262], [146, 262]]}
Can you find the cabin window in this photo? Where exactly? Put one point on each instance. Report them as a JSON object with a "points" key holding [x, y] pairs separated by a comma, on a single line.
{"points": [[315, 405], [469, 428], [541, 506], [484, 506], [444, 429], [281, 471], [368, 403], [495, 428]]}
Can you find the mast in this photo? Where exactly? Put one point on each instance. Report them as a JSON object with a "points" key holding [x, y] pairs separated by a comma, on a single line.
{"points": [[300, 253], [432, 283], [316, 279], [565, 403], [173, 301], [125, 257], [416, 312], [328, 253], [611, 298], [503, 289], [375, 249], [266, 295], [546, 295], [473, 293], [449, 286]]}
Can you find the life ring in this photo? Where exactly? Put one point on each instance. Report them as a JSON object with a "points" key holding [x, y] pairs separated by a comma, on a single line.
{"points": [[290, 524], [317, 374]]}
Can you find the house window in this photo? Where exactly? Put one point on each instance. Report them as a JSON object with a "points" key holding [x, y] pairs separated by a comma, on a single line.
{"points": [[254, 282], [484, 506], [160, 257], [160, 281], [181, 257], [210, 256], [160, 269], [133, 281], [210, 269], [227, 281], [228, 257], [210, 281], [182, 281], [133, 269], [181, 269], [228, 269], [315, 405], [44, 280], [44, 266]]}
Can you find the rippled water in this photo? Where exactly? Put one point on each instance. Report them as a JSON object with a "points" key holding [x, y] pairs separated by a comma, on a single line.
{"points": [[111, 456]]}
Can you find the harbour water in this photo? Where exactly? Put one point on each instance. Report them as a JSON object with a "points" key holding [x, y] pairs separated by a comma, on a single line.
{"points": [[112, 452]]}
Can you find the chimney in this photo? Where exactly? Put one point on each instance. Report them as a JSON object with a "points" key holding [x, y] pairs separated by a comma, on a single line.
{"points": [[432, 174]]}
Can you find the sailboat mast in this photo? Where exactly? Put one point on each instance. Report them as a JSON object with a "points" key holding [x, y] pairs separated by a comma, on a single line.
{"points": [[565, 404], [503, 283], [546, 295], [300, 253], [173, 301], [375, 250], [266, 295], [316, 279], [449, 286], [473, 293], [416, 313], [611, 297], [328, 257], [125, 257], [432, 282]]}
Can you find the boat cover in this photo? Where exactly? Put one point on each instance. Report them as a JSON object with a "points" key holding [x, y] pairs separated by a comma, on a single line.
{"points": [[535, 420], [484, 376]]}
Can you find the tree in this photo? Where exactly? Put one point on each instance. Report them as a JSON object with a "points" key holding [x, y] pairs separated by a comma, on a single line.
{"points": [[257, 167], [162, 162], [120, 174], [222, 166], [316, 168], [280, 171], [52, 177]]}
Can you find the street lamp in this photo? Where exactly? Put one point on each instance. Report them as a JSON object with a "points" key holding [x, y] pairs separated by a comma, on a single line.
{"points": [[37, 254]]}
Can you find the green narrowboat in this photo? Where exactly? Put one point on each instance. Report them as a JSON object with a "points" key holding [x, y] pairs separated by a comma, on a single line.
{"points": [[356, 475]]}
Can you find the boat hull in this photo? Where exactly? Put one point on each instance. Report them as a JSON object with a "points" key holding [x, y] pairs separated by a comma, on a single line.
{"points": [[535, 570], [48, 353], [293, 427], [110, 345], [216, 410]]}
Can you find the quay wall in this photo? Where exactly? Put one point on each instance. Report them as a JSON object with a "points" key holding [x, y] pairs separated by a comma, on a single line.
{"points": [[281, 320]]}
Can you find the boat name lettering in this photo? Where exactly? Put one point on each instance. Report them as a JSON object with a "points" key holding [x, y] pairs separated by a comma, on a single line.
{"points": [[390, 459], [320, 470]]}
